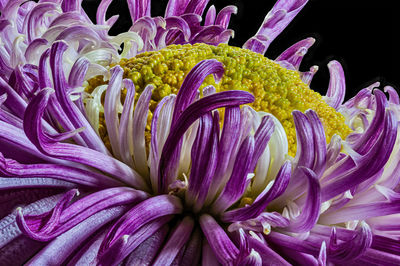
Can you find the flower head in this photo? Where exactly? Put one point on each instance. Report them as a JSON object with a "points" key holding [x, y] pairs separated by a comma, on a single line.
{"points": [[164, 145]]}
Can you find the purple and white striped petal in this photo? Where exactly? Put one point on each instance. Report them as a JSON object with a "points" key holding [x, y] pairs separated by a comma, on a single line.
{"points": [[187, 118], [274, 23], [142, 213], [337, 85], [310, 213], [295, 53], [70, 152], [259, 205]]}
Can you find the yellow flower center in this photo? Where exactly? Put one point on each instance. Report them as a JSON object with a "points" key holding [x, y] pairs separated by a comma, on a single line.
{"points": [[277, 90]]}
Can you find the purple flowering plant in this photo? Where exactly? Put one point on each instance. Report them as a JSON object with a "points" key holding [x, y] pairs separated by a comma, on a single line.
{"points": [[100, 166]]}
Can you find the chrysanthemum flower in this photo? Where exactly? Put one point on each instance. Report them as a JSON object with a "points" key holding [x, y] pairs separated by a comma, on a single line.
{"points": [[164, 145]]}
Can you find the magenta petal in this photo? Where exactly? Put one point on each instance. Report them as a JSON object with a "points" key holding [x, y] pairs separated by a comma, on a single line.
{"points": [[223, 247]]}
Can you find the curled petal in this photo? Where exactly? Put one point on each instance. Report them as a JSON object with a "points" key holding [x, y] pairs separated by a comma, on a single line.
{"points": [[310, 212], [295, 53], [337, 85], [262, 201], [274, 23], [188, 117]]}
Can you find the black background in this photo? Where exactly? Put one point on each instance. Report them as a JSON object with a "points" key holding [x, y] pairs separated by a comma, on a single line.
{"points": [[361, 35]]}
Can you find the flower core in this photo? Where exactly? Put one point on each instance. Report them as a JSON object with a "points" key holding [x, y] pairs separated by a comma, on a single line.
{"points": [[277, 90]]}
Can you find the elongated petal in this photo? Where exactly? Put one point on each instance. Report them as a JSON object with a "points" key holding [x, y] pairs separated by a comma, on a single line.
{"points": [[337, 85], [274, 23], [261, 203], [295, 53], [236, 185], [310, 212], [58, 250], [189, 116], [76, 117], [64, 218], [141, 214], [225, 251], [148, 250], [71, 152], [126, 244], [175, 242]]}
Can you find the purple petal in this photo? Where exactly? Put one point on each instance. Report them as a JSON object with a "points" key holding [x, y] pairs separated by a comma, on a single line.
{"points": [[370, 163], [295, 53], [145, 253], [352, 249], [58, 250], [71, 152], [175, 242], [192, 82], [310, 213], [140, 122], [111, 101], [126, 124], [10, 167], [124, 246], [192, 253], [255, 209], [204, 160], [236, 185], [274, 23], [141, 214], [210, 16], [188, 117], [337, 85], [224, 249], [224, 16], [229, 139], [266, 253], [139, 8], [261, 139], [9, 183], [63, 218], [196, 6], [74, 114]]}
